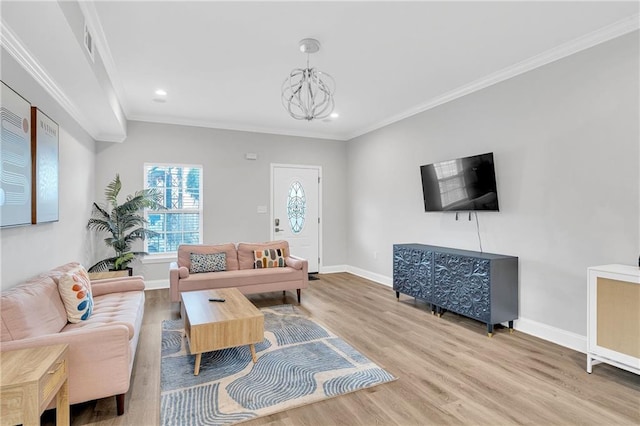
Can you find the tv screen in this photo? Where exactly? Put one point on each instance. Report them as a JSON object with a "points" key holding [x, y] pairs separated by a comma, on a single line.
{"points": [[463, 184]]}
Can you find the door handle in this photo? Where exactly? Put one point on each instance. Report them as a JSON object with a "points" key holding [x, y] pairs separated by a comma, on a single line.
{"points": [[279, 230]]}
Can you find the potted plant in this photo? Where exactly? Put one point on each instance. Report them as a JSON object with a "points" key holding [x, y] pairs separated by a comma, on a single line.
{"points": [[124, 223]]}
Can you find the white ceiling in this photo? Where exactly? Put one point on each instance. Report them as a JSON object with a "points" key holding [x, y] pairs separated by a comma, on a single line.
{"points": [[222, 63]]}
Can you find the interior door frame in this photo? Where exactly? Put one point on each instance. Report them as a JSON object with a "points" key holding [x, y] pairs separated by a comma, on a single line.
{"points": [[272, 233]]}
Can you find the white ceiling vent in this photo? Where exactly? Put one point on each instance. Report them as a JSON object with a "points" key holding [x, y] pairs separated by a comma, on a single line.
{"points": [[89, 43]]}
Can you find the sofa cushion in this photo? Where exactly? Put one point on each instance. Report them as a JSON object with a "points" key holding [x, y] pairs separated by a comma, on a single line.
{"points": [[114, 308], [239, 278], [32, 308], [269, 258], [246, 258], [229, 249], [75, 291], [210, 262]]}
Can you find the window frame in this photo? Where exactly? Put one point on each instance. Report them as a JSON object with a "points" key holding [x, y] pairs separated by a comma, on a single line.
{"points": [[172, 254]]}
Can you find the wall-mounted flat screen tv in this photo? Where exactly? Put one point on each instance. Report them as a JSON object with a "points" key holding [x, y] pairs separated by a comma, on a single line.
{"points": [[463, 184]]}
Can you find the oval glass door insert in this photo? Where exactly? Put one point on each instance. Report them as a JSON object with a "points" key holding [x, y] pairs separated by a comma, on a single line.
{"points": [[296, 207]]}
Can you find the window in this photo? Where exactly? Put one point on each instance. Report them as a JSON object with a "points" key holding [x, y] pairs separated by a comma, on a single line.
{"points": [[181, 222]]}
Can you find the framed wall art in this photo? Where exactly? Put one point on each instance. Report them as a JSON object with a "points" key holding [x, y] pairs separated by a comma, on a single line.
{"points": [[15, 158], [44, 149]]}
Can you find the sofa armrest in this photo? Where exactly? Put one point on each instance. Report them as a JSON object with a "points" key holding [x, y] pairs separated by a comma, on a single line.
{"points": [[99, 359], [297, 263], [175, 274], [117, 285]]}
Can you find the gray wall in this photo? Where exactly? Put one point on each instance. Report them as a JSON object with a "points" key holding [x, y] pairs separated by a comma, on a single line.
{"points": [[566, 144], [29, 250], [233, 186]]}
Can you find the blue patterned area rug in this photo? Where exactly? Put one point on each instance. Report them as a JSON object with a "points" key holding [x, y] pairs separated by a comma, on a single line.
{"points": [[299, 362]]}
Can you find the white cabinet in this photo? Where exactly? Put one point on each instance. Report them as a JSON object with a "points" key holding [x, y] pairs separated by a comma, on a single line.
{"points": [[613, 331]]}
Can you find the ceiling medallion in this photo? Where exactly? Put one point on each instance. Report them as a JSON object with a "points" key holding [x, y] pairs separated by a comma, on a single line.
{"points": [[307, 93]]}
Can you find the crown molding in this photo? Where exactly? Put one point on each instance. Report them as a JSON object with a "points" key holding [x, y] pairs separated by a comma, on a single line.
{"points": [[90, 13], [604, 34], [238, 127], [14, 46], [106, 137]]}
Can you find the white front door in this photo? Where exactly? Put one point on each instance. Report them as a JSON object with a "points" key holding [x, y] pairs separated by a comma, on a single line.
{"points": [[295, 210]]}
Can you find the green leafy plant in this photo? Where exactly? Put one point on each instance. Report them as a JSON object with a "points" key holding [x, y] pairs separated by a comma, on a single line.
{"points": [[124, 223]]}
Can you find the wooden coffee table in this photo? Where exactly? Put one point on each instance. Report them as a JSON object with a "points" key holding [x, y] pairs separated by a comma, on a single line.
{"points": [[210, 326]]}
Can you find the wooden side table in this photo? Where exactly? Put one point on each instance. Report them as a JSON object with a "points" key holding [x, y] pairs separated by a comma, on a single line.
{"points": [[29, 380]]}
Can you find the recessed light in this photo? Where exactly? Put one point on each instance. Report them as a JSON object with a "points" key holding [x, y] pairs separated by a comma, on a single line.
{"points": [[161, 92], [334, 115]]}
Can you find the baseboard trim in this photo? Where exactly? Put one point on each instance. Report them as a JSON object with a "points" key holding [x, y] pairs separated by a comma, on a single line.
{"points": [[372, 276], [156, 284], [334, 269], [552, 334]]}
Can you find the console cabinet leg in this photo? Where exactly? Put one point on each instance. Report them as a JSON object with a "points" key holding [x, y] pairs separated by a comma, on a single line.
{"points": [[398, 295], [511, 327], [489, 330]]}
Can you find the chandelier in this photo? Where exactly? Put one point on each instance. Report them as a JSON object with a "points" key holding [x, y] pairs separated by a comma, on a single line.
{"points": [[307, 93]]}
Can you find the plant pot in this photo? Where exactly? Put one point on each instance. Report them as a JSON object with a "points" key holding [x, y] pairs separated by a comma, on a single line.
{"points": [[122, 272]]}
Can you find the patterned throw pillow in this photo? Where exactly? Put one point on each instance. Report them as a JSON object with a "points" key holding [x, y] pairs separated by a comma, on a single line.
{"points": [[75, 290], [269, 258], [210, 262]]}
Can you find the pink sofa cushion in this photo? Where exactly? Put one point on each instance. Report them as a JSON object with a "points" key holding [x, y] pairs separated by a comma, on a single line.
{"points": [[239, 278], [246, 255], [185, 250], [32, 308], [114, 308]]}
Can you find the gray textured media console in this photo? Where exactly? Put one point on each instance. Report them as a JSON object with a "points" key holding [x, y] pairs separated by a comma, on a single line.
{"points": [[482, 286]]}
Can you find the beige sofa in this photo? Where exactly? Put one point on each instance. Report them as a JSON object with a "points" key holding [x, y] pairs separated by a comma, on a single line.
{"points": [[101, 348], [240, 271]]}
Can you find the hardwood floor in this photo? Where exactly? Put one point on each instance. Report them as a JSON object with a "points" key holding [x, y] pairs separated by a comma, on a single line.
{"points": [[449, 371]]}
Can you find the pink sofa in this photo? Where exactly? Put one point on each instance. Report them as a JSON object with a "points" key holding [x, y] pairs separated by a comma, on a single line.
{"points": [[240, 272], [101, 348]]}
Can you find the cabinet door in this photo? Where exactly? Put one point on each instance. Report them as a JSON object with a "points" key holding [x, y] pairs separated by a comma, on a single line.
{"points": [[412, 272], [463, 284], [618, 319]]}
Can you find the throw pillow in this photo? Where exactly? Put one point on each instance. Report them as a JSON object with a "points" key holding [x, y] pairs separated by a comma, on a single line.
{"points": [[210, 262], [75, 291], [269, 258]]}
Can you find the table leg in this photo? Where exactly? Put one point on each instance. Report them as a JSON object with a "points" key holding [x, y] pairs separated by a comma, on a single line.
{"points": [[253, 353], [62, 404], [197, 368]]}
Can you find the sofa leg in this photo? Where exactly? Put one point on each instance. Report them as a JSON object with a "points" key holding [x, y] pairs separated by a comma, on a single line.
{"points": [[298, 291], [120, 403], [284, 293]]}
